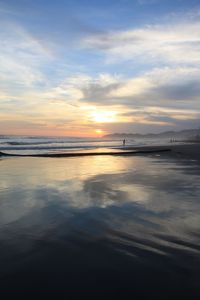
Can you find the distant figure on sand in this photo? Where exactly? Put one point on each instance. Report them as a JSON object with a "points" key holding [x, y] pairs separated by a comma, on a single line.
{"points": [[124, 142]]}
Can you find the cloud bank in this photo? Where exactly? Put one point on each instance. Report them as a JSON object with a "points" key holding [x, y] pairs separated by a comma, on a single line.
{"points": [[148, 76]]}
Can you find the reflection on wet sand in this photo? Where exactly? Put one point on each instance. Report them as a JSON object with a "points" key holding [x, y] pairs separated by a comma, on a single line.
{"points": [[114, 224]]}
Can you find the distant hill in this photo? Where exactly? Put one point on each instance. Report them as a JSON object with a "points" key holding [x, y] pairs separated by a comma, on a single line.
{"points": [[183, 134]]}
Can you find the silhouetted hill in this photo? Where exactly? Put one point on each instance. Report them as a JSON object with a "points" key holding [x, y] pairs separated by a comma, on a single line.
{"points": [[183, 134]]}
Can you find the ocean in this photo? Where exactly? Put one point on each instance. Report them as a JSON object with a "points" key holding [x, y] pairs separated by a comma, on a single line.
{"points": [[45, 144]]}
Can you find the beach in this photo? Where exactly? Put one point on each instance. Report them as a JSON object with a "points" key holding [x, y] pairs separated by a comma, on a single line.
{"points": [[189, 150], [105, 226], [100, 150]]}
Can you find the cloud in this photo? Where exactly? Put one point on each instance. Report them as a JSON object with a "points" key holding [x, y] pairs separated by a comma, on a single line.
{"points": [[160, 95], [167, 87], [164, 85], [163, 116], [159, 98], [177, 43], [22, 57]]}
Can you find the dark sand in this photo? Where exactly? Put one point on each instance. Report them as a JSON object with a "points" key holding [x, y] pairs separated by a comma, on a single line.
{"points": [[190, 151]]}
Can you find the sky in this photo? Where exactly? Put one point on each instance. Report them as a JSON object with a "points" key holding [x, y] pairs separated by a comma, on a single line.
{"points": [[94, 67]]}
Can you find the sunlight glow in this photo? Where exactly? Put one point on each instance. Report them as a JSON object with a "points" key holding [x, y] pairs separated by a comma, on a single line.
{"points": [[103, 116], [99, 131]]}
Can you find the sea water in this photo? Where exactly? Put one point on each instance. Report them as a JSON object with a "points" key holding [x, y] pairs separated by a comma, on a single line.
{"points": [[37, 144]]}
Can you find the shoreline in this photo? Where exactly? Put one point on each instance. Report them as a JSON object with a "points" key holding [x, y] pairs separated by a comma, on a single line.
{"points": [[124, 153], [190, 151]]}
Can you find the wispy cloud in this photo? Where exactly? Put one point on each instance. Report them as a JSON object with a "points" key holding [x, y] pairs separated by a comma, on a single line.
{"points": [[21, 57], [170, 87], [147, 76], [177, 43]]}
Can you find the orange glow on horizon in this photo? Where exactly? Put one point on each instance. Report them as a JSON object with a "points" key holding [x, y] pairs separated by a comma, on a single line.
{"points": [[99, 132], [87, 133]]}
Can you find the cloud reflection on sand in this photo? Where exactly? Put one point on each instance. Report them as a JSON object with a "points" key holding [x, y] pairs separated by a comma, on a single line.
{"points": [[143, 208], [155, 186]]}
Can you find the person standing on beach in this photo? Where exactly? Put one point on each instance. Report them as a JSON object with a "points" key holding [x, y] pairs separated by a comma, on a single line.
{"points": [[124, 142]]}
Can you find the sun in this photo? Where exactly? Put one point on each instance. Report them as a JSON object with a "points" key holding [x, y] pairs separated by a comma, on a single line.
{"points": [[99, 131], [103, 116]]}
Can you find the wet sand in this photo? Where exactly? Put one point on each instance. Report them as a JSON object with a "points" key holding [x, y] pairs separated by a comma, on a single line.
{"points": [[190, 151], [101, 227]]}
